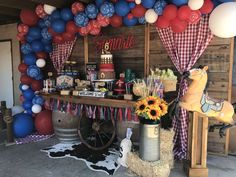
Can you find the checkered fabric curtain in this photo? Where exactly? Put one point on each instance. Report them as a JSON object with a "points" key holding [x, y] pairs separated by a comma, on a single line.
{"points": [[184, 50], [61, 53]]}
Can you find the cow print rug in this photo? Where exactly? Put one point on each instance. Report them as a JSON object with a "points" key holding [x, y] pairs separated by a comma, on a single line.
{"points": [[104, 160]]}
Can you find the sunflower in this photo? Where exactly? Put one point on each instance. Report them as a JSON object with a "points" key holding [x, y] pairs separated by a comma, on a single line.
{"points": [[141, 107], [154, 113], [152, 100], [163, 108]]}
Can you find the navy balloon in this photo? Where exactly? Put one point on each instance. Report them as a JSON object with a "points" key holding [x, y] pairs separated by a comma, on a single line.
{"points": [[55, 15], [59, 26], [226, 0], [45, 34], [28, 94], [142, 20], [23, 125], [132, 5], [48, 47], [39, 77], [38, 100], [148, 3], [26, 48], [47, 21], [29, 59], [179, 2], [66, 14], [27, 104], [107, 9], [81, 19], [99, 2], [130, 22], [37, 46], [122, 8], [91, 11], [35, 32], [29, 38], [29, 112], [33, 71], [159, 6]]}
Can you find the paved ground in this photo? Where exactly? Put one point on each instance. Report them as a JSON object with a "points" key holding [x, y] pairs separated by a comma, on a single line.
{"points": [[27, 161]]}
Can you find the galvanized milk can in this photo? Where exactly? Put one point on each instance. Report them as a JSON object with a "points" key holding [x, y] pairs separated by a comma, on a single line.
{"points": [[149, 147]]}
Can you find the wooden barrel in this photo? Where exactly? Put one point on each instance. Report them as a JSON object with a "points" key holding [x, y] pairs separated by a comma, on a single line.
{"points": [[65, 126]]}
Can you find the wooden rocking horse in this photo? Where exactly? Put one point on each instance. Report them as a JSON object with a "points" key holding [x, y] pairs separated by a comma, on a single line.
{"points": [[196, 99]]}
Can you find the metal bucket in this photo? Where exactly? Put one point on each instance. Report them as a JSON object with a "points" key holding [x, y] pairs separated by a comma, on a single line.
{"points": [[149, 147], [65, 126]]}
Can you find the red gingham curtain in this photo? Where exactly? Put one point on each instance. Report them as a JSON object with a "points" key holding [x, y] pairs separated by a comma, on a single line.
{"points": [[61, 53], [184, 50]]}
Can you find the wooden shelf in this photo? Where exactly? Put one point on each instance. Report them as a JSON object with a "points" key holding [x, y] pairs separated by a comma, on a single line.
{"points": [[92, 101]]}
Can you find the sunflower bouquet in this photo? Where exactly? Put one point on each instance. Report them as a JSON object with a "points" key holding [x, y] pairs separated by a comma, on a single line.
{"points": [[151, 108]]}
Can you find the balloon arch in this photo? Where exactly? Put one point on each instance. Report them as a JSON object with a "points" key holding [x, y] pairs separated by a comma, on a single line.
{"points": [[45, 26]]}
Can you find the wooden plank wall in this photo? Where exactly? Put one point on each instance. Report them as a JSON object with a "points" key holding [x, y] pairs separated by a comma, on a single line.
{"points": [[218, 56]]}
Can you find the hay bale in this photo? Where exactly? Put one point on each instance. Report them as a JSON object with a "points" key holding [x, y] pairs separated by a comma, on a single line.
{"points": [[159, 168]]}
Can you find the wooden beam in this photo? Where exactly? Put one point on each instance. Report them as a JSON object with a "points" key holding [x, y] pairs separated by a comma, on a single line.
{"points": [[17, 4], [9, 11]]}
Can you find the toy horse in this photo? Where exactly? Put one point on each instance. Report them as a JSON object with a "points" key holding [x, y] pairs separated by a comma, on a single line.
{"points": [[195, 99]]}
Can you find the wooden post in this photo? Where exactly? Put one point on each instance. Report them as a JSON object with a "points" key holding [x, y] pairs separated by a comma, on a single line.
{"points": [[8, 119], [2, 109], [196, 163]]}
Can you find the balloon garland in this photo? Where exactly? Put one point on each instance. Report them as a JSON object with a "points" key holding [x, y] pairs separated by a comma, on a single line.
{"points": [[47, 25]]}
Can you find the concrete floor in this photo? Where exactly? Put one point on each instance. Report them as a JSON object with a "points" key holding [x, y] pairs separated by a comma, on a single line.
{"points": [[27, 161]]}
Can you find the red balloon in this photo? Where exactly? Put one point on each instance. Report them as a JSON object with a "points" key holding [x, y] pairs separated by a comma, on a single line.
{"points": [[53, 33], [71, 27], [116, 21], [77, 7], [170, 12], [162, 22], [83, 31], [39, 10], [94, 27], [177, 25], [23, 28], [22, 67], [58, 39], [103, 20], [184, 12], [207, 7], [194, 17], [138, 11], [28, 17], [43, 123], [43, 55], [24, 79], [20, 37], [36, 85], [68, 36]]}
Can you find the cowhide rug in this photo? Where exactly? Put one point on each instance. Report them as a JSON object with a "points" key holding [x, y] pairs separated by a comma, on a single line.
{"points": [[104, 160]]}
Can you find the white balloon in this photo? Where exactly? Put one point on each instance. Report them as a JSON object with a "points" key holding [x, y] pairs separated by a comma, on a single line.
{"points": [[24, 87], [40, 63], [138, 1], [195, 4], [36, 108], [49, 9], [17, 109], [222, 20], [151, 16]]}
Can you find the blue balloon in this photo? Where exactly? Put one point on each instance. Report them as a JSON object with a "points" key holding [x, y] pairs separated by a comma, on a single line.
{"points": [[132, 5], [55, 15], [142, 20], [23, 125], [122, 8], [179, 2], [37, 46], [81, 19], [26, 48], [29, 112], [28, 94], [27, 104], [38, 100], [148, 3], [39, 77], [44, 41], [130, 22], [66, 14], [33, 71], [29, 38], [20, 87], [59, 26], [159, 6], [29, 59], [35, 32], [48, 48], [41, 23], [45, 34], [107, 9], [226, 0], [99, 2], [91, 11], [47, 21]]}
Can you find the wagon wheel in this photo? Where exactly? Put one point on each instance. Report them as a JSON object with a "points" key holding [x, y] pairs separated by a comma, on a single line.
{"points": [[96, 134]]}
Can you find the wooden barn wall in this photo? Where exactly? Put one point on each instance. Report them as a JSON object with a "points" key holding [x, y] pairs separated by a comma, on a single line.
{"points": [[218, 56]]}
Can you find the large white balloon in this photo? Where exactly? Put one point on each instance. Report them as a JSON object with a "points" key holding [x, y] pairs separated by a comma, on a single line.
{"points": [[49, 9], [36, 108], [195, 4], [151, 16], [138, 1], [40, 63], [17, 109], [222, 20]]}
